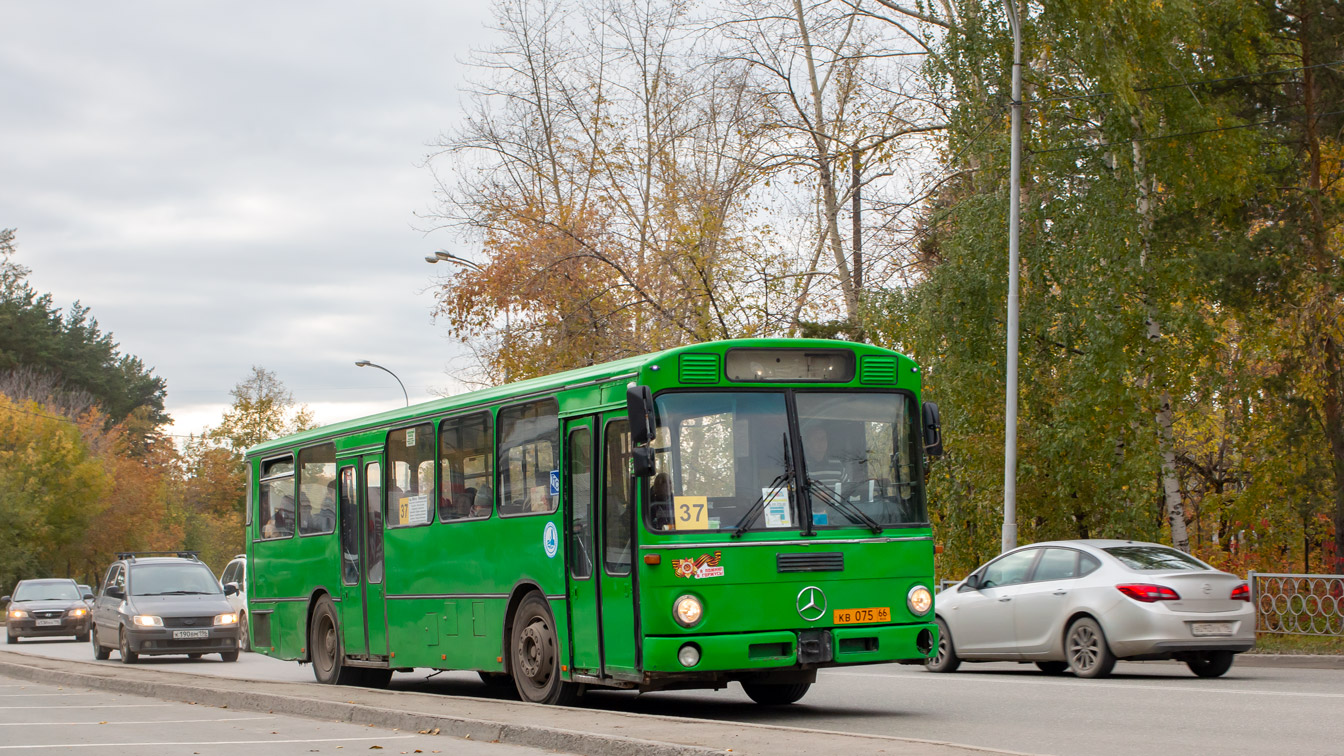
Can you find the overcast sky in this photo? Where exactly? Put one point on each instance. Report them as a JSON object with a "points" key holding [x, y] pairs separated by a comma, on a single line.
{"points": [[235, 184]]}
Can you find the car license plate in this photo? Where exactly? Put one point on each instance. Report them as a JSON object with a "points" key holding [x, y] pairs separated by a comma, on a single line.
{"points": [[1211, 628], [190, 634], [49, 623], [860, 616]]}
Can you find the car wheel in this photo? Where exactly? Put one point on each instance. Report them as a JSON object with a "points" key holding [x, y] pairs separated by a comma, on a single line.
{"points": [[100, 652], [10, 637], [83, 637], [945, 659], [244, 637], [324, 643], [773, 694], [535, 656], [124, 648], [228, 656], [1210, 663], [1085, 644], [1053, 667]]}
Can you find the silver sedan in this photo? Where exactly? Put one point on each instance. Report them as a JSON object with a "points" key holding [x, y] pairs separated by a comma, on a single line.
{"points": [[1081, 605]]}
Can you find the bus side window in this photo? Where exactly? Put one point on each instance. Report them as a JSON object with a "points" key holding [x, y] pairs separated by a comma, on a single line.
{"points": [[529, 439], [466, 467]]}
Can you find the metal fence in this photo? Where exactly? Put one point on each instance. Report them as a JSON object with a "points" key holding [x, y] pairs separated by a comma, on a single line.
{"points": [[1298, 604]]}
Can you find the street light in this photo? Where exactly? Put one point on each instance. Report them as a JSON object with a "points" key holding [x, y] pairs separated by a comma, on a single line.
{"points": [[1014, 190], [366, 363], [442, 256]]}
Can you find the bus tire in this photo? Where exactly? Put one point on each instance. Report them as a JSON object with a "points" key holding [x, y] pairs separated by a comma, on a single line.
{"points": [[534, 655], [324, 644], [499, 682], [775, 694]]}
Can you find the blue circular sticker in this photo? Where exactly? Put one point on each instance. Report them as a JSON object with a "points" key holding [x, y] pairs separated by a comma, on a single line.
{"points": [[550, 540]]}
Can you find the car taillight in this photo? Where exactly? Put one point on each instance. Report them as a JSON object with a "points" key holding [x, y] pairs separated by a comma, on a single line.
{"points": [[1241, 593], [1148, 593]]}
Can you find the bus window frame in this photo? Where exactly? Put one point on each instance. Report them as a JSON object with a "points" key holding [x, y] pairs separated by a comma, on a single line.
{"points": [[917, 437], [488, 411], [851, 354], [556, 455], [293, 478], [298, 469], [389, 466]]}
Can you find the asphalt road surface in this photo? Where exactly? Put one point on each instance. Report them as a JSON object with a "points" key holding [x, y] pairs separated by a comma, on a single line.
{"points": [[1142, 707]]}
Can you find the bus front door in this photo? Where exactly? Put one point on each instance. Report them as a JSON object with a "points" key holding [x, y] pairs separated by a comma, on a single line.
{"points": [[616, 587], [375, 593], [351, 515], [580, 492]]}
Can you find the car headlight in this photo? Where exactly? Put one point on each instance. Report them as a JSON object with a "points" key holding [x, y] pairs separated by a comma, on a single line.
{"points": [[17, 614], [687, 610], [147, 620], [919, 600], [228, 618], [78, 612]]}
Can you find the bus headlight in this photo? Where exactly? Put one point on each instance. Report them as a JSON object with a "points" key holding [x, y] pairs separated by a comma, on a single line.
{"points": [[919, 600], [687, 610], [147, 620]]}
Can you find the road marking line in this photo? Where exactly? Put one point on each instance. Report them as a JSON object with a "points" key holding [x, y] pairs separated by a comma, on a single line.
{"points": [[40, 695], [1090, 685], [98, 706], [147, 721], [202, 742]]}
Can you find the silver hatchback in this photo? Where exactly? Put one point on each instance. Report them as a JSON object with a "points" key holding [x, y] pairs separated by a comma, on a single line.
{"points": [[1081, 605]]}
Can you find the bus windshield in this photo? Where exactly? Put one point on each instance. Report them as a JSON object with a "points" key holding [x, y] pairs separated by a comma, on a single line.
{"points": [[861, 458], [725, 461], [720, 461]]}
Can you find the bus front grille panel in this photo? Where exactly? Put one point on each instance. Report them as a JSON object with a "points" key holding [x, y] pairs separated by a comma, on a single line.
{"points": [[831, 561]]}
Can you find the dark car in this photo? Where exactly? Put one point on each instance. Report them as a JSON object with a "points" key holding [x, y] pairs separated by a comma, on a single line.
{"points": [[43, 608], [156, 605]]}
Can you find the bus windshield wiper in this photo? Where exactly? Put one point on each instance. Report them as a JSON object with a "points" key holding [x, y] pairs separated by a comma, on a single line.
{"points": [[780, 480], [837, 502]]}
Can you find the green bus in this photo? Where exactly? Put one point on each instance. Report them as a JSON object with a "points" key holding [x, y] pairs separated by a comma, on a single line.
{"points": [[748, 510]]}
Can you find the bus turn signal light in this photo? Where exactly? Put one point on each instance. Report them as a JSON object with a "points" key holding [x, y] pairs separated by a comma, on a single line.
{"points": [[653, 559]]}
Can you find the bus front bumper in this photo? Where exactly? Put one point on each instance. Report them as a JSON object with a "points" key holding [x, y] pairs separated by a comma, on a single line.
{"points": [[865, 644]]}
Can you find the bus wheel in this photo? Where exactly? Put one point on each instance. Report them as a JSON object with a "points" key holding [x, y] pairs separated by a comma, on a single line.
{"points": [[774, 694], [324, 643], [534, 653]]}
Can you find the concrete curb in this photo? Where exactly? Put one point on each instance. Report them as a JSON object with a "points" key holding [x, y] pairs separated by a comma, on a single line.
{"points": [[571, 730], [1293, 661]]}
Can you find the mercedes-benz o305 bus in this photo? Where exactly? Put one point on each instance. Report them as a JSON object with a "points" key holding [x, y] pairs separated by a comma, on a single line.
{"points": [[747, 511]]}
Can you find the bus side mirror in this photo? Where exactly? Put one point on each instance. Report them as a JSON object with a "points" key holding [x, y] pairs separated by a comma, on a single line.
{"points": [[933, 431], [639, 409]]}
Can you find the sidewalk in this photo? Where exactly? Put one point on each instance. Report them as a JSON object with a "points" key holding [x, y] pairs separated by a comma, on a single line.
{"points": [[569, 730]]}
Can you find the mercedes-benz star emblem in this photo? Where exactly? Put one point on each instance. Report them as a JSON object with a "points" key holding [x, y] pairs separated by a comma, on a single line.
{"points": [[811, 603]]}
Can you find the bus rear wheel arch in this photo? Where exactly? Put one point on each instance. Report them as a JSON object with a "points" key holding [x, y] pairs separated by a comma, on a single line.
{"points": [[324, 646], [534, 654]]}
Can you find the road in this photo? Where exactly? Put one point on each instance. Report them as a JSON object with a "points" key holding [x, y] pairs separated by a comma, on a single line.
{"points": [[1252, 710]]}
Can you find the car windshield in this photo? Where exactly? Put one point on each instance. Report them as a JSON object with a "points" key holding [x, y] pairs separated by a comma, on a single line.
{"points": [[720, 461], [172, 580], [1155, 558], [861, 458], [62, 590]]}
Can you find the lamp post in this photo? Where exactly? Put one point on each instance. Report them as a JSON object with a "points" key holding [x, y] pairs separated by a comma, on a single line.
{"points": [[1014, 190], [366, 363], [442, 256]]}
